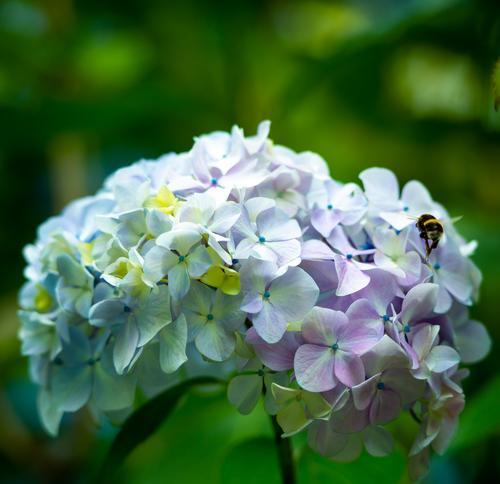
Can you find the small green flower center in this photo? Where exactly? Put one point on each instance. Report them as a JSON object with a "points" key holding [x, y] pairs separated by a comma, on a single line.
{"points": [[380, 385], [182, 258], [406, 328], [335, 346], [262, 239], [329, 206], [437, 266], [349, 256], [210, 317], [266, 295]]}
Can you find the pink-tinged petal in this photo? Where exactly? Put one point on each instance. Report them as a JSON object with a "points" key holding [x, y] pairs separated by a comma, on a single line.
{"points": [[363, 394], [442, 358], [419, 303], [364, 330], [351, 279], [278, 356], [362, 311], [404, 384], [321, 326], [446, 433], [316, 250], [338, 240], [348, 368], [324, 221], [269, 323], [348, 419], [423, 339], [324, 440], [381, 185], [472, 341], [351, 451], [314, 368], [412, 354], [381, 291], [323, 273], [385, 407], [385, 354]]}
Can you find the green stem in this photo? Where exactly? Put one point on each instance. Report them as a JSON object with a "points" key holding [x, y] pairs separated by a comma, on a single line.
{"points": [[285, 454]]}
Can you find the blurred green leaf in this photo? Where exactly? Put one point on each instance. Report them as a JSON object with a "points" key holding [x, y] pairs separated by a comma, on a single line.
{"points": [[194, 442], [261, 452], [144, 422], [314, 468], [496, 85], [481, 417]]}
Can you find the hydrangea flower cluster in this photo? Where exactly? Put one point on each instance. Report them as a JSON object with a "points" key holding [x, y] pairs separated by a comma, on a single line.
{"points": [[248, 258]]}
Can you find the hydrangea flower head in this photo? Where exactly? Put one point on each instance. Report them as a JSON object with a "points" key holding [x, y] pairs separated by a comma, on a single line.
{"points": [[244, 256]]}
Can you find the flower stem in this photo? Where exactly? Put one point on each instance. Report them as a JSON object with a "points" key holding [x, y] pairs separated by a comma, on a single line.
{"points": [[285, 455]]}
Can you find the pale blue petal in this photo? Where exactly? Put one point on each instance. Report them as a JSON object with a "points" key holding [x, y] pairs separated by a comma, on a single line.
{"points": [[125, 345], [153, 314], [173, 340], [178, 281], [198, 262]]}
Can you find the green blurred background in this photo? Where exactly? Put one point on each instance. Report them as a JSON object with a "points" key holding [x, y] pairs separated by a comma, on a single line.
{"points": [[90, 86]]}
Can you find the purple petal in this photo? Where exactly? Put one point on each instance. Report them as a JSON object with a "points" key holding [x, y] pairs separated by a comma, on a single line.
{"points": [[316, 250], [324, 221], [349, 419], [423, 339], [351, 279], [349, 368], [365, 328], [385, 407], [363, 393], [385, 354], [321, 326], [278, 356], [314, 368], [419, 303]]}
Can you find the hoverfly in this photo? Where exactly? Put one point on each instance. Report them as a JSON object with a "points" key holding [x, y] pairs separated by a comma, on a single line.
{"points": [[431, 230]]}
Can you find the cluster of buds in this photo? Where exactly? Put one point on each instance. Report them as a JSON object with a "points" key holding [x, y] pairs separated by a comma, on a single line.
{"points": [[245, 258]]}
